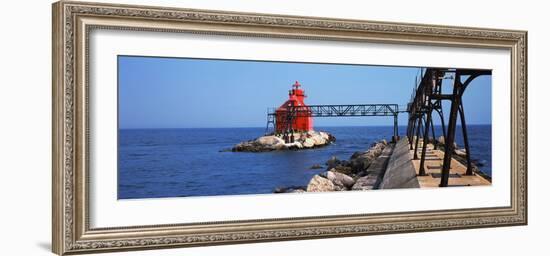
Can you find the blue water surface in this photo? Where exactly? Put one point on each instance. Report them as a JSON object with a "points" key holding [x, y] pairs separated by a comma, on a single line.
{"points": [[154, 163]]}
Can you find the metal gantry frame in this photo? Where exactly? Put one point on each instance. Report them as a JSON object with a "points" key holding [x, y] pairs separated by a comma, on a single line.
{"points": [[427, 98], [292, 112]]}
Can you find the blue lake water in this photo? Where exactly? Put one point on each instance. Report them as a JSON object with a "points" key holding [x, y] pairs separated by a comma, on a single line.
{"points": [[155, 163]]}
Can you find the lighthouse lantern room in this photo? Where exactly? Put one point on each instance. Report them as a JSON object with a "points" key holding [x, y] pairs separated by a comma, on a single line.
{"points": [[292, 116]]}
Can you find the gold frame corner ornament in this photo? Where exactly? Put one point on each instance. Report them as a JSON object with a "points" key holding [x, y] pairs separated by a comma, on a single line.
{"points": [[72, 22]]}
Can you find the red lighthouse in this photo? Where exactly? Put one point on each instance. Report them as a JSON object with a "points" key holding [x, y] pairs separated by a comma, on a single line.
{"points": [[293, 115]]}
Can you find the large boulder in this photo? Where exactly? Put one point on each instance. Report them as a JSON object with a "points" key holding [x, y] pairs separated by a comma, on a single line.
{"points": [[308, 143], [318, 140], [461, 152], [270, 140], [294, 145], [261, 144], [364, 183], [325, 136], [377, 148], [320, 184], [361, 160], [340, 179], [371, 153]]}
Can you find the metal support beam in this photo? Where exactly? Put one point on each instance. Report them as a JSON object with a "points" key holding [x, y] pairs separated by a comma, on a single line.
{"points": [[469, 170], [421, 170], [395, 129], [434, 139], [443, 131], [450, 139], [418, 128], [411, 136], [270, 120], [288, 133]]}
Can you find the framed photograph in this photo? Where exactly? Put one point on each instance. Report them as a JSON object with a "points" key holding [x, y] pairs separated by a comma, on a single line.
{"points": [[180, 127]]}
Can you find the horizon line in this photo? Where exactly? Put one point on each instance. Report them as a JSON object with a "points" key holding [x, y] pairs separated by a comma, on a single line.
{"points": [[233, 127]]}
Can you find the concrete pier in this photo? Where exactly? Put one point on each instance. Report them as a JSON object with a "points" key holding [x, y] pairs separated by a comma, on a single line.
{"points": [[400, 172], [433, 165], [403, 171]]}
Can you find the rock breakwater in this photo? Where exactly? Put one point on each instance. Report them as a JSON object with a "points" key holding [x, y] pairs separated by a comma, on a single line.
{"points": [[344, 175], [306, 140]]}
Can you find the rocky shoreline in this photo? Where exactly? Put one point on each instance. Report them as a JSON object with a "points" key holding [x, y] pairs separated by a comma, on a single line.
{"points": [[306, 140], [343, 175]]}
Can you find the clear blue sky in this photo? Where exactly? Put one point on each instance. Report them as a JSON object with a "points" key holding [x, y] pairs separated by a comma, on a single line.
{"points": [[193, 93]]}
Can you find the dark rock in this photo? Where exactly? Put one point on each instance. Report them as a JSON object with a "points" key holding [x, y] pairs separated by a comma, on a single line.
{"points": [[331, 138], [362, 174], [280, 190], [291, 189], [333, 162], [357, 154], [481, 163], [252, 146], [360, 164], [316, 166], [343, 169]]}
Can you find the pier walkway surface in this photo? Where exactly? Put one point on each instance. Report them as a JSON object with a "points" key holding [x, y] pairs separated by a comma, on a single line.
{"points": [[402, 170]]}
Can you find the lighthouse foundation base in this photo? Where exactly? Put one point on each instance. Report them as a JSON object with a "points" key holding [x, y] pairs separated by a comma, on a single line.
{"points": [[302, 140]]}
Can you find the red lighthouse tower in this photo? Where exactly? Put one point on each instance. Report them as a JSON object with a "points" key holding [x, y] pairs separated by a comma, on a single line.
{"points": [[292, 116]]}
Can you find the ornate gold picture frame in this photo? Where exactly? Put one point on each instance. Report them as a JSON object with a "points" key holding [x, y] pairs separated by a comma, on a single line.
{"points": [[72, 24]]}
